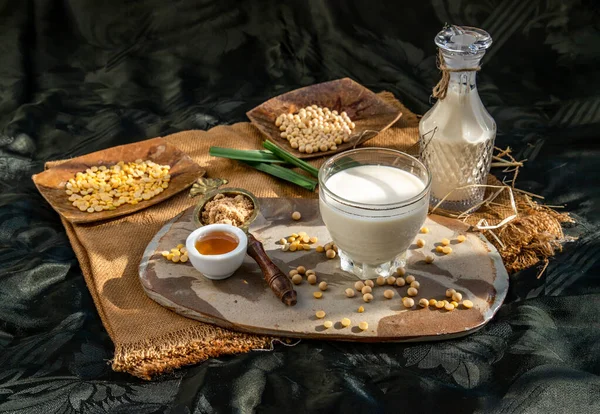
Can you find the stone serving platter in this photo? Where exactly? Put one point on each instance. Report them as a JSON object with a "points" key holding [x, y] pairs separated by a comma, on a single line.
{"points": [[244, 302], [371, 113]]}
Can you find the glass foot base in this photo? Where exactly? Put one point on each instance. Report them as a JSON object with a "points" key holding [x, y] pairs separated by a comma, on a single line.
{"points": [[456, 207], [366, 271]]}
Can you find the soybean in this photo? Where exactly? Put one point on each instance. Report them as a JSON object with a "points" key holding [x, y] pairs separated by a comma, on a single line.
{"points": [[408, 302]]}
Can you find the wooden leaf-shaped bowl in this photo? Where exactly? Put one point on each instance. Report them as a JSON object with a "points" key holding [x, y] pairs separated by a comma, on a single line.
{"points": [[366, 109], [51, 183]]}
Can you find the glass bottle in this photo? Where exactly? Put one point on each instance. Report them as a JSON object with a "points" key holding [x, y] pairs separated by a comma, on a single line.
{"points": [[457, 134]]}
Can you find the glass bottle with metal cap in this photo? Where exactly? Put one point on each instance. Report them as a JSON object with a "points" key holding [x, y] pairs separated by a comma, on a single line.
{"points": [[457, 133]]}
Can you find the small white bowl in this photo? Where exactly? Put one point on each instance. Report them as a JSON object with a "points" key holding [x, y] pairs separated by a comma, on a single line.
{"points": [[217, 266]]}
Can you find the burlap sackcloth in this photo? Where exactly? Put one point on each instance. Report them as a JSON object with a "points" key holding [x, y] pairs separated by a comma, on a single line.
{"points": [[149, 339]]}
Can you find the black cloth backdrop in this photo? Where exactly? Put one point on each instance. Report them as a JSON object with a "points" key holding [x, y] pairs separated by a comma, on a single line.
{"points": [[77, 76]]}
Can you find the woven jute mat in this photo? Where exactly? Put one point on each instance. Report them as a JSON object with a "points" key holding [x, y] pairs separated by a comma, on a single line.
{"points": [[149, 339]]}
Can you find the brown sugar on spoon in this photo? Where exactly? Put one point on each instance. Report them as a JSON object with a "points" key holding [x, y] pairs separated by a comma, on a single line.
{"points": [[224, 209]]}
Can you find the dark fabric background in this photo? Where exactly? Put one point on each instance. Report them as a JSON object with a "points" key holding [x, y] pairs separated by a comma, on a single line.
{"points": [[77, 76]]}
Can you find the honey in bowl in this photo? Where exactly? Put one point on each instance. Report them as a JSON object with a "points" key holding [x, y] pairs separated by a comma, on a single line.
{"points": [[217, 242]]}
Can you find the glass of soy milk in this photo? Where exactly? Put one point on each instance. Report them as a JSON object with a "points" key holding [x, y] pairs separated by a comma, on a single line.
{"points": [[373, 202]]}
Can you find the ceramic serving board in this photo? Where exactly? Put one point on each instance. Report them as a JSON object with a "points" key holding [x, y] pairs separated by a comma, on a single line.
{"points": [[244, 301]]}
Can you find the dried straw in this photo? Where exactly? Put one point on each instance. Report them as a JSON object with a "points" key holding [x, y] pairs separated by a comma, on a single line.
{"points": [[524, 232]]}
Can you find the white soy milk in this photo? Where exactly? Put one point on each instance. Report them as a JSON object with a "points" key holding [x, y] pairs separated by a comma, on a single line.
{"points": [[460, 153], [378, 233]]}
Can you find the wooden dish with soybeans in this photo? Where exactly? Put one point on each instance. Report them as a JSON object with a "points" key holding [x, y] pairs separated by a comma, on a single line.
{"points": [[365, 115], [140, 175], [448, 295]]}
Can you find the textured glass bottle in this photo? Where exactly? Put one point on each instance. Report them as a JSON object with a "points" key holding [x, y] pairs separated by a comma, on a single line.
{"points": [[457, 133]]}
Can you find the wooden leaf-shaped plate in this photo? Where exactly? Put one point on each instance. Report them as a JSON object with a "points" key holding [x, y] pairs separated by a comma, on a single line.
{"points": [[51, 183], [367, 110]]}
